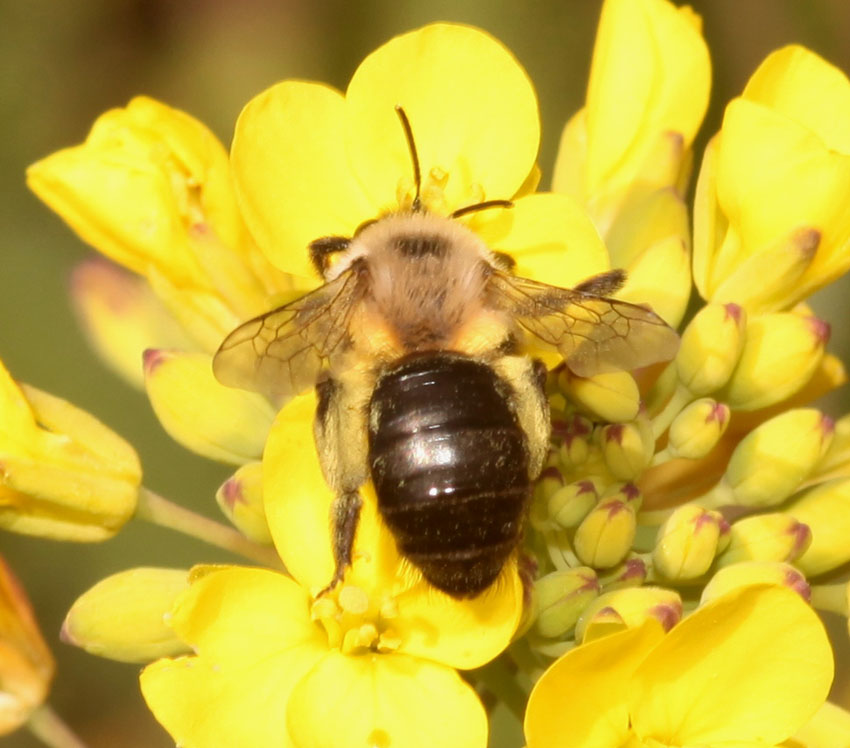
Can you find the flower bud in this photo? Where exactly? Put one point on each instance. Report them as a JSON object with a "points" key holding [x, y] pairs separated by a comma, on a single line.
{"points": [[627, 448], [605, 535], [628, 608], [612, 397], [778, 166], [710, 348], [570, 504], [747, 573], [122, 317], [151, 189], [835, 462], [125, 616], [781, 353], [826, 511], [63, 474], [631, 573], [26, 665], [773, 460], [687, 542], [697, 429], [764, 281], [766, 537], [561, 597], [549, 481], [573, 433], [240, 498], [215, 421]]}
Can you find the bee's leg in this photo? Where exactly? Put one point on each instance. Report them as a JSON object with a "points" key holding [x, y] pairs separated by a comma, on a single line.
{"points": [[603, 284], [321, 249], [528, 384], [341, 439], [345, 514]]}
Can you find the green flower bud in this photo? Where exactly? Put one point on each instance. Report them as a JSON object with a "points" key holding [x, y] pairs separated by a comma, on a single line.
{"points": [[766, 537], [687, 542], [125, 616], [627, 608], [631, 573], [697, 429], [826, 510], [605, 535], [627, 448], [240, 498], [781, 353], [573, 433], [773, 460], [755, 572], [561, 597], [570, 504], [710, 348]]}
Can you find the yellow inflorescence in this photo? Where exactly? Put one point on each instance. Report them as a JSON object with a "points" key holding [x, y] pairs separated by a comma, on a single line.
{"points": [[684, 514]]}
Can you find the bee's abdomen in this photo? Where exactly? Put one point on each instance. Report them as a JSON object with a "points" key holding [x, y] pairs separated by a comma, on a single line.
{"points": [[450, 467]]}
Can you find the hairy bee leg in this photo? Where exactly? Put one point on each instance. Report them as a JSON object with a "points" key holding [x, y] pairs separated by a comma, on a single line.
{"points": [[603, 284], [345, 516], [530, 403], [321, 249]]}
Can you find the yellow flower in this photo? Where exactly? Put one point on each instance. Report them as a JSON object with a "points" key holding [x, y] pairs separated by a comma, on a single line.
{"points": [[770, 223], [26, 665], [749, 668], [272, 667], [63, 474]]}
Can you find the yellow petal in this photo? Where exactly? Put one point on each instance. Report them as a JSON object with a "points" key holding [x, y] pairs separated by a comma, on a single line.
{"points": [[26, 664], [291, 172], [297, 497], [213, 420], [550, 236], [774, 177], [236, 614], [384, 700], [650, 75], [581, 699], [460, 633], [753, 665], [801, 85], [471, 107], [829, 728]]}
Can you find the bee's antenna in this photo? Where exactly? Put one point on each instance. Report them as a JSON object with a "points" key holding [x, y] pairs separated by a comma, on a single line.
{"points": [[482, 206], [411, 144]]}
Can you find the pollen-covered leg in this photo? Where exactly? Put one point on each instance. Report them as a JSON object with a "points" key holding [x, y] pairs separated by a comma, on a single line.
{"points": [[345, 514]]}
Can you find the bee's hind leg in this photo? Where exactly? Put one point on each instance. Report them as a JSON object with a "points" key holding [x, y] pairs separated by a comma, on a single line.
{"points": [[345, 515], [341, 441]]}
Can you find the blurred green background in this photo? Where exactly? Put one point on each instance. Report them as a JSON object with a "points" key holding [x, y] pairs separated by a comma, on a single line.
{"points": [[63, 63]]}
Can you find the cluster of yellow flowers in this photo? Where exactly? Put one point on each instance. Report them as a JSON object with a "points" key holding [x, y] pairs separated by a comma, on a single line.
{"points": [[687, 515]]}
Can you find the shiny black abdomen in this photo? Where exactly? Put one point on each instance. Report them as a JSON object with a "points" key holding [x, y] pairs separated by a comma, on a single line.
{"points": [[450, 467]]}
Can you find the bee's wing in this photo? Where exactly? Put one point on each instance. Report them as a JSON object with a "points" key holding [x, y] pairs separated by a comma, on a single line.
{"points": [[593, 333], [282, 353]]}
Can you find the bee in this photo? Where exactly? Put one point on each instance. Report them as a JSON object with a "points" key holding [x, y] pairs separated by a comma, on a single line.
{"points": [[416, 345]]}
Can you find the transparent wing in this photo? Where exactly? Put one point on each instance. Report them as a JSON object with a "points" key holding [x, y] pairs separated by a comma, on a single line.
{"points": [[593, 333], [282, 353]]}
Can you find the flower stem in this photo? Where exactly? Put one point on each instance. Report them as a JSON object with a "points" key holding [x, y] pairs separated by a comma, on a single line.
{"points": [[49, 727], [160, 511], [499, 677], [831, 597]]}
